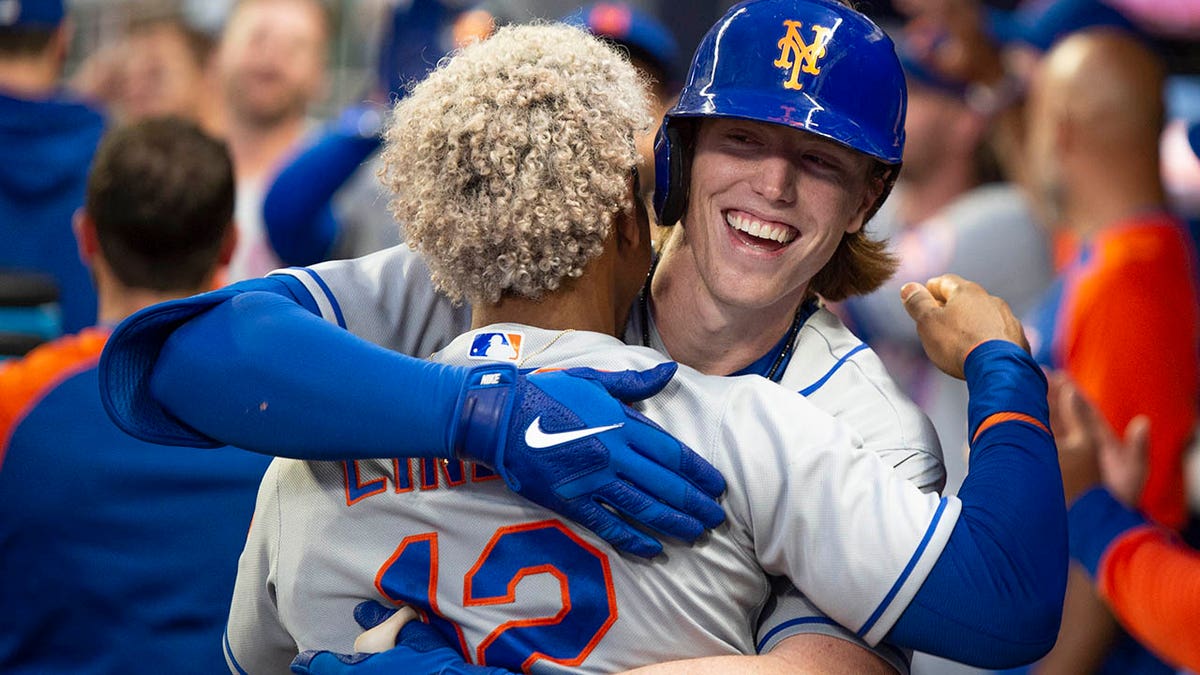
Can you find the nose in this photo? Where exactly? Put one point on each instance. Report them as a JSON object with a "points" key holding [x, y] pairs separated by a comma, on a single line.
{"points": [[775, 179]]}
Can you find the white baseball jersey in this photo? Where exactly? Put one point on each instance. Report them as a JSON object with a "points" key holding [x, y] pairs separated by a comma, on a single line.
{"points": [[387, 298], [519, 587]]}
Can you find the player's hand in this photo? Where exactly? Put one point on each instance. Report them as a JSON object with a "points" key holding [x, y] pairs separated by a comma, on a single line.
{"points": [[1088, 449], [565, 440], [954, 316], [393, 643]]}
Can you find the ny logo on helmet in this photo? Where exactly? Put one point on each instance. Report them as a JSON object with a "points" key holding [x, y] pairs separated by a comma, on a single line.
{"points": [[800, 56]]}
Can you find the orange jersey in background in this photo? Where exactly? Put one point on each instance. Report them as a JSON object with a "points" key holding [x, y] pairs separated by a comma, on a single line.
{"points": [[1121, 320]]}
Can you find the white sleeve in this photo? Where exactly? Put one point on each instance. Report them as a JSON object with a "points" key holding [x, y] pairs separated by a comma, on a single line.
{"points": [[789, 613], [255, 639], [386, 298], [854, 537]]}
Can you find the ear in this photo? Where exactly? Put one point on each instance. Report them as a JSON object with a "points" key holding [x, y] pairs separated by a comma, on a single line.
{"points": [[1065, 135], [86, 240], [970, 129], [632, 225], [228, 244], [61, 42], [871, 194]]}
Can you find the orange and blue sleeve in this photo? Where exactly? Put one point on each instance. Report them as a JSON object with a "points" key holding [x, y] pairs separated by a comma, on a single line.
{"points": [[25, 381], [1151, 582], [1008, 551], [1134, 351]]}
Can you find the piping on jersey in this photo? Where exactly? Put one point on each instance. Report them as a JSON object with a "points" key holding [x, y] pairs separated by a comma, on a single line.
{"points": [[775, 374]]}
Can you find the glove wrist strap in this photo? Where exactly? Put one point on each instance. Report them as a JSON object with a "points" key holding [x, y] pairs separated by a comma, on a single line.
{"points": [[485, 408]]}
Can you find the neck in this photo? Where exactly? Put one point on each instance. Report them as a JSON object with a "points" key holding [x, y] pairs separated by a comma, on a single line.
{"points": [[1106, 191], [574, 306], [118, 302], [925, 197], [698, 329], [256, 150], [31, 78]]}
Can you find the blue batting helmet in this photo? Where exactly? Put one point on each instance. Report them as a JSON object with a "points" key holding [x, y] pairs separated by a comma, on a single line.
{"points": [[813, 65]]}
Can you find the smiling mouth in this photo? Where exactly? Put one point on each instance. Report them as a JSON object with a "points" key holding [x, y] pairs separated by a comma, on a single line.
{"points": [[761, 231]]}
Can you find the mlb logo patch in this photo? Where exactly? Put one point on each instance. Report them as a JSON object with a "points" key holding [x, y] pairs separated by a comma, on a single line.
{"points": [[497, 346]]}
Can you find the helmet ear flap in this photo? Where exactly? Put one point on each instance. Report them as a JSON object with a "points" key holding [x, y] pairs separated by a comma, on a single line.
{"points": [[670, 173]]}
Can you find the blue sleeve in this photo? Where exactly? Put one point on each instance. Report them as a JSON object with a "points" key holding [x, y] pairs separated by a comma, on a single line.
{"points": [[253, 365], [994, 598], [294, 385], [132, 352], [1096, 519], [297, 209]]}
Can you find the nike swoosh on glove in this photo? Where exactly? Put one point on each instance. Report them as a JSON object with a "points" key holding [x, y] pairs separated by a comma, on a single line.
{"points": [[567, 440], [419, 649]]}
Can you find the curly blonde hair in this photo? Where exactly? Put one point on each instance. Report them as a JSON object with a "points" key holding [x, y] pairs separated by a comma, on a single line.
{"points": [[509, 163]]}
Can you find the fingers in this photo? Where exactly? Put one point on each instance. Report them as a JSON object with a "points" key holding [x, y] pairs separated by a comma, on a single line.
{"points": [[1124, 464], [1072, 412], [652, 442], [634, 503], [640, 508], [371, 613], [615, 531], [1056, 396], [382, 637], [1137, 437], [690, 512], [948, 286], [312, 662], [918, 301], [422, 637], [630, 385]]}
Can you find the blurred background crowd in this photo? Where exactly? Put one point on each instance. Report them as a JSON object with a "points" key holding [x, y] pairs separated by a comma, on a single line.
{"points": [[1028, 158]]}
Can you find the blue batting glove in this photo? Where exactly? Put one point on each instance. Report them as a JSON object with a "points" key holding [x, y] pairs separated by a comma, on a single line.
{"points": [[419, 649], [564, 440]]}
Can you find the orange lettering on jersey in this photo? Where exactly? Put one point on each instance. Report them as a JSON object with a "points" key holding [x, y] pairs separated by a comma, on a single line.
{"points": [[600, 574], [356, 490], [480, 473], [435, 471], [431, 474], [402, 479]]}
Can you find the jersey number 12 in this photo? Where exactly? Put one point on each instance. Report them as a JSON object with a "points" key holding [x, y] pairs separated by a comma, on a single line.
{"points": [[588, 602]]}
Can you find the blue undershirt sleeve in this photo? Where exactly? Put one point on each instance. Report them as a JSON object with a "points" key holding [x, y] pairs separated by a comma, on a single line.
{"points": [[994, 597], [297, 209], [284, 373], [280, 369], [132, 352], [1096, 520]]}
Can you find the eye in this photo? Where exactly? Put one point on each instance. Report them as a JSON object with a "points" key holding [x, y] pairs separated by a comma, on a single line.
{"points": [[822, 161], [741, 137]]}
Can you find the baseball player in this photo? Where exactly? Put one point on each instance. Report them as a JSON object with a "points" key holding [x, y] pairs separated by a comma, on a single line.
{"points": [[118, 557], [764, 320], [513, 586]]}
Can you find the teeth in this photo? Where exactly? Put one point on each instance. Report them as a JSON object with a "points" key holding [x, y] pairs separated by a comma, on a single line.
{"points": [[755, 228]]}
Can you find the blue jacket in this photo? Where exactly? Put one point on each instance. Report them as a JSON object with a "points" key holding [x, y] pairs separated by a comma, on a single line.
{"points": [[46, 149]]}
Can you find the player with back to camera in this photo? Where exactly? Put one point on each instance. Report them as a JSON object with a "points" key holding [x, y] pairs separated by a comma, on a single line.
{"points": [[119, 557], [554, 271], [753, 158]]}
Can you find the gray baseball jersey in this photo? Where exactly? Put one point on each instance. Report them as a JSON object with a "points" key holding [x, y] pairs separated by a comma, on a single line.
{"points": [[387, 298], [519, 587]]}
